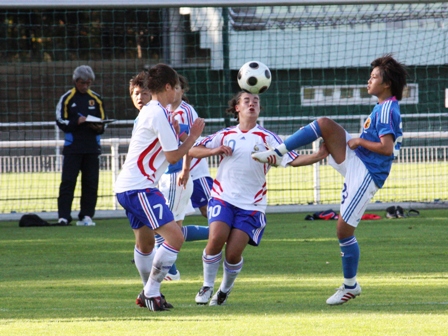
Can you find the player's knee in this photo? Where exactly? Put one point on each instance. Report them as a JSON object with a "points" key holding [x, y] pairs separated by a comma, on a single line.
{"points": [[233, 259], [344, 230], [144, 247]]}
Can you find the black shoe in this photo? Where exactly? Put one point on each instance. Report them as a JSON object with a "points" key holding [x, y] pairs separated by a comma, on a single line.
{"points": [[400, 212], [157, 302], [391, 212], [166, 304], [219, 298]]}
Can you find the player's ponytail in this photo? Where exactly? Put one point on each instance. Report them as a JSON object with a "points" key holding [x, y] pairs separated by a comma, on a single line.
{"points": [[159, 75]]}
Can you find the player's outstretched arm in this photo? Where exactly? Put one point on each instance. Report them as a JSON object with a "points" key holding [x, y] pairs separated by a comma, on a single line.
{"points": [[201, 151], [309, 159], [195, 132]]}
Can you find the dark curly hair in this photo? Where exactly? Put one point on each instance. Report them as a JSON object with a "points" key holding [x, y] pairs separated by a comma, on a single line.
{"points": [[393, 73], [140, 80]]}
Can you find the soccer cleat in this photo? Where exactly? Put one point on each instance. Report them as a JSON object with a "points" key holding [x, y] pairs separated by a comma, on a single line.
{"points": [[271, 157], [172, 277], [62, 221], [140, 301], [343, 294], [219, 298], [155, 304], [204, 294], [86, 221]]}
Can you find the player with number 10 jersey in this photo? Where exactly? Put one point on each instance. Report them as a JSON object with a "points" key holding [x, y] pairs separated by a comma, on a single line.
{"points": [[240, 180]]}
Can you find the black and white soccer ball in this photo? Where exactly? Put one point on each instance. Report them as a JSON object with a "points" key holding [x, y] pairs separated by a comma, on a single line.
{"points": [[254, 77]]}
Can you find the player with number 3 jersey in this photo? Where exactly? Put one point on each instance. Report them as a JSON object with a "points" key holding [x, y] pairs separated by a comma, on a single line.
{"points": [[365, 162]]}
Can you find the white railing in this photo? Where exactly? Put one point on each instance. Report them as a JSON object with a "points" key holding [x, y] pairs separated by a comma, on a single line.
{"points": [[113, 161]]}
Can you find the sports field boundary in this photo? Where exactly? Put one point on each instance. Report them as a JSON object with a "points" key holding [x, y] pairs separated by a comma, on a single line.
{"points": [[311, 208]]}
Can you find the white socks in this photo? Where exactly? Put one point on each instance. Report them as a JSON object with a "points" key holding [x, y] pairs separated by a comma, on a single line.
{"points": [[143, 263], [210, 264], [164, 258]]}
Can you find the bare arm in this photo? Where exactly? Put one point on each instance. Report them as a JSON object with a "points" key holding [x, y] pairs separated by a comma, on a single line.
{"points": [[202, 151], [195, 132], [308, 159], [184, 175], [385, 147]]}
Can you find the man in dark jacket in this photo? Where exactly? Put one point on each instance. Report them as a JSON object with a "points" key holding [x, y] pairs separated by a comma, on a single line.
{"points": [[82, 146]]}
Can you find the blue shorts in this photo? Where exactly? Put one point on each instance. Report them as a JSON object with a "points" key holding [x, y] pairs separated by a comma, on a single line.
{"points": [[145, 207], [201, 191], [249, 221]]}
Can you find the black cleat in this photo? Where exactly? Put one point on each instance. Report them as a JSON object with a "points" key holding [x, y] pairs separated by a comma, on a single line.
{"points": [[219, 298], [157, 302]]}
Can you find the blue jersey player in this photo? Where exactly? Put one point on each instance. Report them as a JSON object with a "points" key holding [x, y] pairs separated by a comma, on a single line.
{"points": [[365, 162]]}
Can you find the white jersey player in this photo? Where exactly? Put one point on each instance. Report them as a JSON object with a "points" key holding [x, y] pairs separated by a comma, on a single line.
{"points": [[236, 211], [176, 184], [153, 146]]}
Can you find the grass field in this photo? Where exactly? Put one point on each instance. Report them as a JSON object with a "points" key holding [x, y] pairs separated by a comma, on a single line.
{"points": [[36, 192], [80, 281]]}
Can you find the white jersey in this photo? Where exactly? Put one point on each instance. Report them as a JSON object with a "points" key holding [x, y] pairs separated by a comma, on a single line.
{"points": [[240, 180], [186, 114], [146, 162], [199, 167]]}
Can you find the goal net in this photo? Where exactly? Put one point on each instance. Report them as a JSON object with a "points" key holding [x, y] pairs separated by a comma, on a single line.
{"points": [[319, 56]]}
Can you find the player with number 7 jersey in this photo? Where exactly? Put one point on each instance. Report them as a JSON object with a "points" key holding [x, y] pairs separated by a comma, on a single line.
{"points": [[154, 144]]}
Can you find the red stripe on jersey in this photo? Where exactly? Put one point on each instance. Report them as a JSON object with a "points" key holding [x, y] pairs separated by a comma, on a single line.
{"points": [[142, 156], [262, 192], [262, 135], [195, 163], [180, 114], [226, 133], [189, 113], [217, 185]]}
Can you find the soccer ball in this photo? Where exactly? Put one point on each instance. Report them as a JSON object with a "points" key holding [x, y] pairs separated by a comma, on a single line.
{"points": [[254, 77]]}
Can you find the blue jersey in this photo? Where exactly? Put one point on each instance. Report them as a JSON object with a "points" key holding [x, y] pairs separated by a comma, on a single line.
{"points": [[384, 119], [177, 167]]}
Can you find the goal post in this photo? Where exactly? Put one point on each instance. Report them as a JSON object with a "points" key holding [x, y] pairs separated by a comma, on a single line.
{"points": [[318, 52]]}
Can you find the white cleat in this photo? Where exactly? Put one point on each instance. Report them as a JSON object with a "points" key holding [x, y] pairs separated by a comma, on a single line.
{"points": [[271, 157], [204, 294], [343, 294], [172, 277], [86, 221]]}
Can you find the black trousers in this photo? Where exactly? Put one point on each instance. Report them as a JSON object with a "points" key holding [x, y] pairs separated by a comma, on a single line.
{"points": [[89, 166]]}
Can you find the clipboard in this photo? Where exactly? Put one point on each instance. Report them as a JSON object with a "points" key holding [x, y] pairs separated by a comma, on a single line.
{"points": [[93, 119]]}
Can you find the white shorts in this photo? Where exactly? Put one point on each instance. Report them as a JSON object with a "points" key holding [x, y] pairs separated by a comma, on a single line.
{"points": [[177, 197], [359, 187]]}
